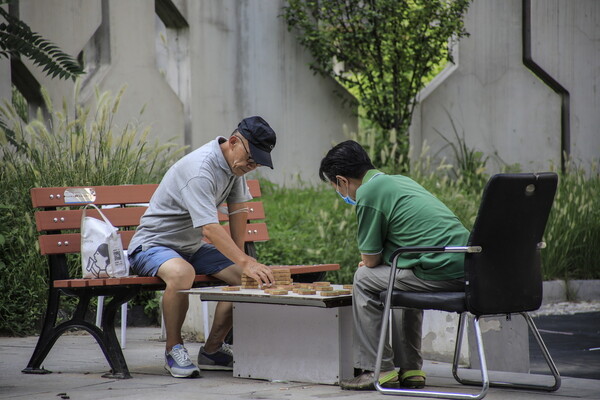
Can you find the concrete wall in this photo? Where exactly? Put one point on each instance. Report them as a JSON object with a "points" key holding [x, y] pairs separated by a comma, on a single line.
{"points": [[262, 70], [197, 68], [498, 104]]}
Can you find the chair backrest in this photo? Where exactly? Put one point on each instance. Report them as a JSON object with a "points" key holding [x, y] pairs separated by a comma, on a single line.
{"points": [[506, 276]]}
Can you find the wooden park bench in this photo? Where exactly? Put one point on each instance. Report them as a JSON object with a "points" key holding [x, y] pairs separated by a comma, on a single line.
{"points": [[58, 220]]}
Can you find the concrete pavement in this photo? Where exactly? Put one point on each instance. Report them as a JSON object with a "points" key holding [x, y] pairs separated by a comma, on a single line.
{"points": [[78, 365], [573, 341]]}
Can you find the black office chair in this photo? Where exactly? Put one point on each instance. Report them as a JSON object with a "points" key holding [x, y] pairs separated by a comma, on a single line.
{"points": [[502, 274]]}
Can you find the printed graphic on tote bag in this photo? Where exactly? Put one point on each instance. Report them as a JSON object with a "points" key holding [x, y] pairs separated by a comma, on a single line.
{"points": [[98, 263]]}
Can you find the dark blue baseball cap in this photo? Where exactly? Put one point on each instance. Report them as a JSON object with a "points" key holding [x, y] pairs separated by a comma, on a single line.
{"points": [[260, 137]]}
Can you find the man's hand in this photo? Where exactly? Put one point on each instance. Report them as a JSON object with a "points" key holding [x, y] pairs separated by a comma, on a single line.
{"points": [[225, 244], [259, 272], [370, 260]]}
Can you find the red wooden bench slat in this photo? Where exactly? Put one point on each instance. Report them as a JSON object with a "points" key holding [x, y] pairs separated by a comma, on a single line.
{"points": [[152, 280], [120, 217], [254, 187], [122, 194], [256, 232], [71, 219], [68, 243], [256, 210]]}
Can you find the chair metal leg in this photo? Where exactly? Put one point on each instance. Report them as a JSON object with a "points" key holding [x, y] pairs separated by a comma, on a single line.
{"points": [[100, 311], [485, 382], [385, 319], [547, 357], [533, 329], [538, 338], [451, 395], [424, 393], [462, 323]]}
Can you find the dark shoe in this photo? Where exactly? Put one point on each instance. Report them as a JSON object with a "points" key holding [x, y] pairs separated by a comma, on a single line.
{"points": [[413, 379], [366, 381], [221, 359]]}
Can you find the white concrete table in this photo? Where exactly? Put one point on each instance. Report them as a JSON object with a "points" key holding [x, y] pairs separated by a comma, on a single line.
{"points": [[303, 338]]}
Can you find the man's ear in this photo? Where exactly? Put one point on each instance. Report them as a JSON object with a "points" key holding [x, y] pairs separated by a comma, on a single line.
{"points": [[233, 140], [340, 178]]}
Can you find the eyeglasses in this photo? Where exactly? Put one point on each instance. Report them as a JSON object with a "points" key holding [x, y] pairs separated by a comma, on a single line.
{"points": [[249, 160]]}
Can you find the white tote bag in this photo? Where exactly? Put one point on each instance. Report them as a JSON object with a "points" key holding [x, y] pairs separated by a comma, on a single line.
{"points": [[102, 253]]}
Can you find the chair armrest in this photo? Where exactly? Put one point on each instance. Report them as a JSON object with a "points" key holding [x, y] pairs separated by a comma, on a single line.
{"points": [[435, 249]]}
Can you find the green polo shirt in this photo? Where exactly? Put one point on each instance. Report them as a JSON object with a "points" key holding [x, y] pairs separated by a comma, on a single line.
{"points": [[395, 211]]}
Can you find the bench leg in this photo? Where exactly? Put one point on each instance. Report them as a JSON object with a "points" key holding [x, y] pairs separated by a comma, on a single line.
{"points": [[47, 336], [109, 343], [106, 337]]}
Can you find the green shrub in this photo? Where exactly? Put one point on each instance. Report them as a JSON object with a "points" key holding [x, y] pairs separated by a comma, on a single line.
{"points": [[573, 230], [80, 145]]}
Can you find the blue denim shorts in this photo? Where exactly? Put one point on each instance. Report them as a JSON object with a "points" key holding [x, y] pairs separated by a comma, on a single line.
{"points": [[207, 260]]}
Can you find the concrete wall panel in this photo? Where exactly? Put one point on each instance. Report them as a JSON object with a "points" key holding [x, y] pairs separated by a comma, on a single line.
{"points": [[68, 24], [132, 47], [566, 38], [262, 70], [499, 105]]}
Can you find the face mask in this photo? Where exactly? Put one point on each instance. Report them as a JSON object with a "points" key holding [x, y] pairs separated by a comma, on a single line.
{"points": [[346, 198]]}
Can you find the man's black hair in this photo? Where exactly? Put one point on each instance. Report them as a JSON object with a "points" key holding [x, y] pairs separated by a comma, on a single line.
{"points": [[347, 159]]}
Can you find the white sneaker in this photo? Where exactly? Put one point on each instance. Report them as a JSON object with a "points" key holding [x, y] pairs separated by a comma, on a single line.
{"points": [[178, 363]]}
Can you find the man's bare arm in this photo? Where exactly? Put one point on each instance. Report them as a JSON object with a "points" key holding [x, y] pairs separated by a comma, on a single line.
{"points": [[226, 245], [238, 217]]}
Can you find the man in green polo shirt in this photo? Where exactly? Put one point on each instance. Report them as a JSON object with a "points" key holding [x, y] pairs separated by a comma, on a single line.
{"points": [[392, 211]]}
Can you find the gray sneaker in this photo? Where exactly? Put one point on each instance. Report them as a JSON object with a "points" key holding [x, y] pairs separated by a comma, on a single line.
{"points": [[178, 363], [221, 359]]}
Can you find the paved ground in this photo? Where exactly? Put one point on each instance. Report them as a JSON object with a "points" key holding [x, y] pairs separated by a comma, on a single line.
{"points": [[573, 342], [78, 365]]}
